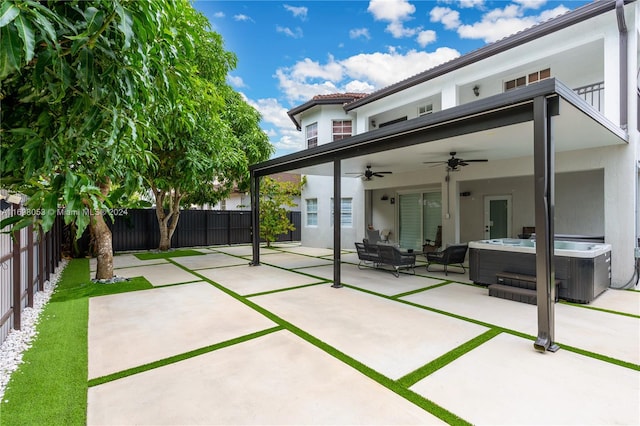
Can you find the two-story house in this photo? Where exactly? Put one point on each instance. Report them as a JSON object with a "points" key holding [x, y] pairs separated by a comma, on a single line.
{"points": [[552, 109]]}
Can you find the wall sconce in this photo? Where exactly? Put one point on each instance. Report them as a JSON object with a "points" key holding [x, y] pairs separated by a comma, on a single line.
{"points": [[476, 90], [385, 197], [373, 123]]}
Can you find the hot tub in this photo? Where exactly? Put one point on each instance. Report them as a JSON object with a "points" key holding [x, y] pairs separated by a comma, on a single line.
{"points": [[583, 269]]}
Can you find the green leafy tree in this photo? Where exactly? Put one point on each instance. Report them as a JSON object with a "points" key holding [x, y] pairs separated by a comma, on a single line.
{"points": [[276, 199], [200, 160], [81, 81]]}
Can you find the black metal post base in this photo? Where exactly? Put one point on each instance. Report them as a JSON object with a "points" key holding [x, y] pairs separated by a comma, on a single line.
{"points": [[542, 344], [337, 285]]}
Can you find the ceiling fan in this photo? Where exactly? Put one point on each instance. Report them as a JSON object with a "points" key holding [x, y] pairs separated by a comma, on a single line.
{"points": [[368, 174], [453, 163]]}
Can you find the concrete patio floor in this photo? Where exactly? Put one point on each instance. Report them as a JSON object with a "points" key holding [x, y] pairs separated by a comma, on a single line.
{"points": [[276, 344]]}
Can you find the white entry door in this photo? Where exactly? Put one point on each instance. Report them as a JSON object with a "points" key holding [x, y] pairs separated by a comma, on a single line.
{"points": [[497, 216]]}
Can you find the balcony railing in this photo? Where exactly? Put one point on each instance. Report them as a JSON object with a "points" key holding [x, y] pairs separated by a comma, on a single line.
{"points": [[593, 94]]}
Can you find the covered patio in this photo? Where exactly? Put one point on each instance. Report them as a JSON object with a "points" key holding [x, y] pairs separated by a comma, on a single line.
{"points": [[538, 122]]}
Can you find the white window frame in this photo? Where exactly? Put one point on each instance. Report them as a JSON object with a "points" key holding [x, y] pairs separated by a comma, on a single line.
{"points": [[311, 212], [344, 213], [425, 109], [311, 135], [335, 136]]}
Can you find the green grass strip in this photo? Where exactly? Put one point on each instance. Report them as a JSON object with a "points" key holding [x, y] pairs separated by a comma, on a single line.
{"points": [[181, 357], [420, 290], [390, 384], [595, 308], [50, 386], [422, 372], [51, 382], [168, 254], [279, 290], [601, 357]]}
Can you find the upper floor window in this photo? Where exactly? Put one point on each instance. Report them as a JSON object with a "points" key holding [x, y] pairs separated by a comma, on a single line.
{"points": [[312, 135], [528, 79], [312, 212], [341, 129], [425, 109]]}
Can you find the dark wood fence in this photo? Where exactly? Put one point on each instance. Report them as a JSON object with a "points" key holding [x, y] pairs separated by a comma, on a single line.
{"points": [[26, 262], [138, 229]]}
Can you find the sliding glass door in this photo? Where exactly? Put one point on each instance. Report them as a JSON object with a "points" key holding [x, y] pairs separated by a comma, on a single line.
{"points": [[419, 215]]}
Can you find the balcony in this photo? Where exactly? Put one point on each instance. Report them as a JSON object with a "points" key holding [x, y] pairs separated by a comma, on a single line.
{"points": [[592, 93]]}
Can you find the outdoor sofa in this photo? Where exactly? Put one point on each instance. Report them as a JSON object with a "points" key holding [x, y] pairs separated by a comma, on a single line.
{"points": [[385, 254]]}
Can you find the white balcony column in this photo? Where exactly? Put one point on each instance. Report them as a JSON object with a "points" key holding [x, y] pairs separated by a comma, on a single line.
{"points": [[612, 76], [449, 95]]}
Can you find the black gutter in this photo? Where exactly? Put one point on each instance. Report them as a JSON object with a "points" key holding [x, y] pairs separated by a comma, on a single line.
{"points": [[313, 102], [623, 63], [583, 13]]}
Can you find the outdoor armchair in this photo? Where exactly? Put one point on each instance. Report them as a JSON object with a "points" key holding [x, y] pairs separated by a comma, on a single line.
{"points": [[452, 255]]}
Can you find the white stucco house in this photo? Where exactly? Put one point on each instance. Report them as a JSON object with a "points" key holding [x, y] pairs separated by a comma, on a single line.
{"points": [[552, 109]]}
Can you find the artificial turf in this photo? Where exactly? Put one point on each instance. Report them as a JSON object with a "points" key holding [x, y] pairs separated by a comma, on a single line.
{"points": [[50, 386], [168, 254]]}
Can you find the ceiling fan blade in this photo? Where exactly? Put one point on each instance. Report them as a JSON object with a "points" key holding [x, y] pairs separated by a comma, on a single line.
{"points": [[378, 175], [476, 161], [385, 173], [462, 163]]}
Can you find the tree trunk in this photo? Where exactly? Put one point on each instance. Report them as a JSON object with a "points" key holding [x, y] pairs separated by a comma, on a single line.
{"points": [[102, 239], [167, 222], [103, 247]]}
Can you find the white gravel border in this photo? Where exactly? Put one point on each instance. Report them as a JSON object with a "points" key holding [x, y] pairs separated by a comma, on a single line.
{"points": [[19, 341]]}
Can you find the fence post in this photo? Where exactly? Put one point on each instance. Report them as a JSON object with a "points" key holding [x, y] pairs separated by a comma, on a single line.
{"points": [[30, 266], [17, 245], [41, 260]]}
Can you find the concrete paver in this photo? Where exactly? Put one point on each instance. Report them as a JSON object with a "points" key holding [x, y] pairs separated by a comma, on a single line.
{"points": [[158, 275], [382, 282], [246, 280], [294, 261], [309, 251], [392, 338], [608, 334], [281, 379], [505, 381], [244, 250], [619, 301], [131, 329], [274, 379], [126, 261], [209, 260]]}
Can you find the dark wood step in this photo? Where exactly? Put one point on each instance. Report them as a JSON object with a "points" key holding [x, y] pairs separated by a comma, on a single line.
{"points": [[517, 294]]}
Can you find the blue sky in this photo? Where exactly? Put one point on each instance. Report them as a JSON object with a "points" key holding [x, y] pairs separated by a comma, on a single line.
{"points": [[289, 51]]}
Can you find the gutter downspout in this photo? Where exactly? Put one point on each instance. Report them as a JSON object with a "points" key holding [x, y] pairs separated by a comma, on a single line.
{"points": [[623, 63]]}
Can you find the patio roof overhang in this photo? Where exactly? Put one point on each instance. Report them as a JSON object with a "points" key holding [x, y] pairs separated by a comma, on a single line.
{"points": [[537, 120], [489, 126]]}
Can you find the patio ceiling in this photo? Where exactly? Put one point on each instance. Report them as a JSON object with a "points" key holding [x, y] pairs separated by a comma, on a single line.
{"points": [[496, 128]]}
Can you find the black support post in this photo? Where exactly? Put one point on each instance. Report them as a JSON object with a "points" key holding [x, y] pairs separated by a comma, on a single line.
{"points": [[255, 218], [337, 235], [544, 170]]}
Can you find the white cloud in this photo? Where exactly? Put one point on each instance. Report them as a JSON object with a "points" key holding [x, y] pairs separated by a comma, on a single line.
{"points": [[426, 37], [500, 23], [391, 10], [531, 4], [360, 32], [218, 15], [311, 69], [236, 81], [359, 73], [396, 12], [243, 18], [471, 3], [298, 12], [279, 127], [448, 17], [297, 33]]}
